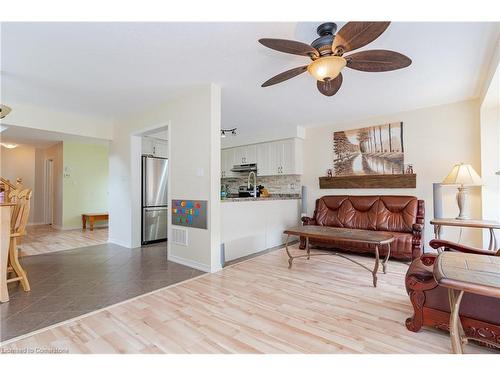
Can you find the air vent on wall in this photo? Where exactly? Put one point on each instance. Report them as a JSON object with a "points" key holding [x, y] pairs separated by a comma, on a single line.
{"points": [[179, 236]]}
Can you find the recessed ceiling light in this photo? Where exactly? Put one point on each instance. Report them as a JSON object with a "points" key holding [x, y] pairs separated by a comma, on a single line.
{"points": [[9, 145]]}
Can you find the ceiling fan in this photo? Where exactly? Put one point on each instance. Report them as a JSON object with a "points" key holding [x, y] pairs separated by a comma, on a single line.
{"points": [[327, 54]]}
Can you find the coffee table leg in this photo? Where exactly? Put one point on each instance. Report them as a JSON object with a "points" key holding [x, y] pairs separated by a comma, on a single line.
{"points": [[308, 249], [456, 330], [290, 258], [375, 269], [384, 265]]}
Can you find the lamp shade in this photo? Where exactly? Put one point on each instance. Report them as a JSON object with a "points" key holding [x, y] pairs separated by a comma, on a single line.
{"points": [[327, 67], [463, 174]]}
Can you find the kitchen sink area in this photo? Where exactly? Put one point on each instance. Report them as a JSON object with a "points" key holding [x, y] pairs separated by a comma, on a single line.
{"points": [[260, 195]]}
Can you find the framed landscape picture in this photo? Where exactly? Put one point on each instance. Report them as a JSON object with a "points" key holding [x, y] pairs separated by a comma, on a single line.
{"points": [[376, 149]]}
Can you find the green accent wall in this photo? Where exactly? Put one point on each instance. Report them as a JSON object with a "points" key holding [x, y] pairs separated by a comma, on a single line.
{"points": [[85, 181]]}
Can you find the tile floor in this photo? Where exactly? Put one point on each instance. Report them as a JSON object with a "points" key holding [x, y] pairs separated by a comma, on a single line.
{"points": [[70, 283], [43, 239]]}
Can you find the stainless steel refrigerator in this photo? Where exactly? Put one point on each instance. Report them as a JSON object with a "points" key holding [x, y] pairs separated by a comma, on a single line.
{"points": [[154, 199]]}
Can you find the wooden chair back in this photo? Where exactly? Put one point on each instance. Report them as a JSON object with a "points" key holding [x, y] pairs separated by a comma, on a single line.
{"points": [[21, 211]]}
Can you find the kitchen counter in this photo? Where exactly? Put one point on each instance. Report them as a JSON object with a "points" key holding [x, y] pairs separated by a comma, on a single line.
{"points": [[273, 197], [250, 225]]}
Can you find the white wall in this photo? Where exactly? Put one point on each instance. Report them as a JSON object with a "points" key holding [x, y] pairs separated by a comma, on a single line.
{"points": [[490, 150], [435, 139], [194, 171], [19, 162], [36, 117]]}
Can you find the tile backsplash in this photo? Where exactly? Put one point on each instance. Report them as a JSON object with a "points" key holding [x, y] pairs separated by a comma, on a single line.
{"points": [[285, 184]]}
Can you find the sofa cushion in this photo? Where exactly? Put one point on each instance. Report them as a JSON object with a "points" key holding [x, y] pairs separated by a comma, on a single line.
{"points": [[356, 212], [397, 213], [359, 212]]}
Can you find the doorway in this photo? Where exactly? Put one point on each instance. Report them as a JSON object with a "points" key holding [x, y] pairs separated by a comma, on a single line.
{"points": [[49, 191]]}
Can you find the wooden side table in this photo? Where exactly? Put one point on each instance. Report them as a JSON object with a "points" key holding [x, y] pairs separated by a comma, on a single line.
{"points": [[472, 273], [481, 224], [92, 218]]}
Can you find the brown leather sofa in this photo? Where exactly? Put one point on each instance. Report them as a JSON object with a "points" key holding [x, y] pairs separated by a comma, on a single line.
{"points": [[402, 216], [480, 316]]}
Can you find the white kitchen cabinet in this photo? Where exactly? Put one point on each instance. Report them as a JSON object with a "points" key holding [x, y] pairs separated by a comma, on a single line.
{"points": [[263, 159], [280, 157], [227, 162], [291, 156], [147, 146], [155, 147], [245, 154], [160, 148], [273, 158]]}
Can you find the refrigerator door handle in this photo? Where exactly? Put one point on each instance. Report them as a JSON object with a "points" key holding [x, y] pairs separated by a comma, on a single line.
{"points": [[143, 181], [148, 209]]}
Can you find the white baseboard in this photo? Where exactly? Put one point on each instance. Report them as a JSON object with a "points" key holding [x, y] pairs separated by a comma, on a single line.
{"points": [[119, 243], [190, 263], [41, 223], [76, 227]]}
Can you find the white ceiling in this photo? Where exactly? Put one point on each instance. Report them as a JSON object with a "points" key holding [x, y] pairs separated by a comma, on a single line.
{"points": [[111, 69]]}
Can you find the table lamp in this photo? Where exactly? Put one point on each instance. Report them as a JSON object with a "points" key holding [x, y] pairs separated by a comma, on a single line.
{"points": [[464, 176]]}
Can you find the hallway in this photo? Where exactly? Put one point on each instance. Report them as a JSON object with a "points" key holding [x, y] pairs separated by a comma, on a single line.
{"points": [[43, 239]]}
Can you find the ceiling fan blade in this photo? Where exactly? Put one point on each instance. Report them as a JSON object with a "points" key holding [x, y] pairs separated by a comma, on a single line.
{"points": [[355, 35], [285, 75], [330, 88], [377, 60], [289, 46]]}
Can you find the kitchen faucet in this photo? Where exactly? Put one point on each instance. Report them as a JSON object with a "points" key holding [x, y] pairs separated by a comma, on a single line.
{"points": [[254, 183]]}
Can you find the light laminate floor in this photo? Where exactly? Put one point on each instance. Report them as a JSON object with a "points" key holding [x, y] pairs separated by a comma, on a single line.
{"points": [[70, 283], [43, 239], [325, 305]]}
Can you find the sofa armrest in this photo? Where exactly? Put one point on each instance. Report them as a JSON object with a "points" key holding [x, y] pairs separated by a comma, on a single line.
{"points": [[417, 243], [452, 246], [306, 220], [417, 229], [420, 273]]}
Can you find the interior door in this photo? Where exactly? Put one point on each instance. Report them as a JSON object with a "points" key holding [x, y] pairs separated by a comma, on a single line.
{"points": [[49, 192]]}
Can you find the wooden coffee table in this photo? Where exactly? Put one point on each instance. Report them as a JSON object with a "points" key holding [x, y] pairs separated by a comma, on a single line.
{"points": [[341, 234], [472, 273]]}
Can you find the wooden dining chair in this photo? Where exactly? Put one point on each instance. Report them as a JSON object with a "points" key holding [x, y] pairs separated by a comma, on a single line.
{"points": [[19, 220]]}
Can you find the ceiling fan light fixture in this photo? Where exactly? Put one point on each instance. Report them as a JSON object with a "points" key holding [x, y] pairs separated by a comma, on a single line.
{"points": [[326, 68]]}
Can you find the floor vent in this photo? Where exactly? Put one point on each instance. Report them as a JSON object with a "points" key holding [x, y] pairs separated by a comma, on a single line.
{"points": [[179, 236]]}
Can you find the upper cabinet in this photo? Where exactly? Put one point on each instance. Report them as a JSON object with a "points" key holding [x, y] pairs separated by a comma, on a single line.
{"points": [[227, 162], [272, 158], [284, 157], [245, 155], [155, 147]]}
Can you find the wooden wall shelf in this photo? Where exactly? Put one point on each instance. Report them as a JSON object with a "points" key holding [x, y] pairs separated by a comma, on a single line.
{"points": [[374, 181]]}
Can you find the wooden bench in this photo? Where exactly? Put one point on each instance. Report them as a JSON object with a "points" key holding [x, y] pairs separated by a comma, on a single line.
{"points": [[93, 218]]}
